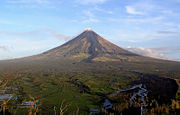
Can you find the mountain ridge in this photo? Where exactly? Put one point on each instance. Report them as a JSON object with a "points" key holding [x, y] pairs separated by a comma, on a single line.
{"points": [[90, 45], [88, 52]]}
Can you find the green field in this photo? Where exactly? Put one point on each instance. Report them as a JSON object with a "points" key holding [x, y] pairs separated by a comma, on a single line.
{"points": [[53, 89]]}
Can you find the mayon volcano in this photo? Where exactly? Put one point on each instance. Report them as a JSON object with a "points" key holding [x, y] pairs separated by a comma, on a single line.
{"points": [[89, 46], [87, 51]]}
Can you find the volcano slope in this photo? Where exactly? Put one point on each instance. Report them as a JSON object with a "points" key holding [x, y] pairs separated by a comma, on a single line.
{"points": [[84, 69]]}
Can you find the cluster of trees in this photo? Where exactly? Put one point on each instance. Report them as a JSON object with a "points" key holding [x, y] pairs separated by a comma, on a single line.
{"points": [[173, 108], [138, 109]]}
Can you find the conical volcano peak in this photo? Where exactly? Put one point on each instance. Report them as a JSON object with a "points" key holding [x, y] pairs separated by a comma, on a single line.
{"points": [[88, 29], [89, 46]]}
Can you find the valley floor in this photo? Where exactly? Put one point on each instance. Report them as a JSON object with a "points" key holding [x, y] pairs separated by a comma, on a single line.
{"points": [[117, 92]]}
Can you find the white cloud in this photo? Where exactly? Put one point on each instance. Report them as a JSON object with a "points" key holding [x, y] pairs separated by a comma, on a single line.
{"points": [[152, 20], [102, 10], [167, 32], [168, 49], [139, 20], [169, 24], [42, 32], [4, 48], [88, 13], [90, 20], [58, 35], [89, 17], [90, 1], [131, 10], [147, 52]]}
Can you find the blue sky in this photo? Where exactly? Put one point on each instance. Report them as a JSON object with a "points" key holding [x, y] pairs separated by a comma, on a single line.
{"points": [[147, 27]]}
